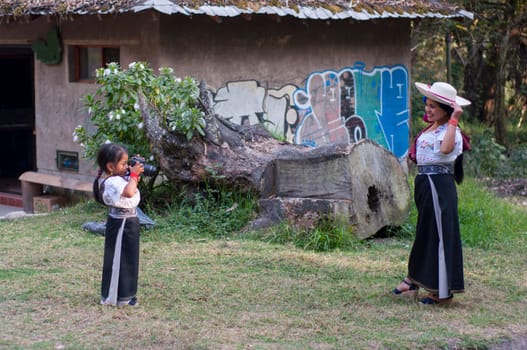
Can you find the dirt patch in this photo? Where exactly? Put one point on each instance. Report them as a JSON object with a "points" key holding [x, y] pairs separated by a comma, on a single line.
{"points": [[517, 343], [514, 190]]}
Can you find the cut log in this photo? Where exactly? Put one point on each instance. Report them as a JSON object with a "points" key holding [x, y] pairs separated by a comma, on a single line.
{"points": [[361, 185]]}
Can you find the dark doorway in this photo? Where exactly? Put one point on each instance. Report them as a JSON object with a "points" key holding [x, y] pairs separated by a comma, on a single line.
{"points": [[17, 116]]}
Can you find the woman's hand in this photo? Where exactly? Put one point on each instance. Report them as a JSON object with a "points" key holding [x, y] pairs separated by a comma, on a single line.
{"points": [[447, 146], [457, 111]]}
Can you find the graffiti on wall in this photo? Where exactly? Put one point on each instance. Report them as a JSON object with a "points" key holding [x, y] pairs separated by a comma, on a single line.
{"points": [[341, 106], [247, 103]]}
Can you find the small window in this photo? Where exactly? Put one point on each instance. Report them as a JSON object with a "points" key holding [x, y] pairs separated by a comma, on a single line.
{"points": [[68, 160], [85, 60]]}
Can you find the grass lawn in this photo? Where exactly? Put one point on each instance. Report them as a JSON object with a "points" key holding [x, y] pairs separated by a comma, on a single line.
{"points": [[205, 293]]}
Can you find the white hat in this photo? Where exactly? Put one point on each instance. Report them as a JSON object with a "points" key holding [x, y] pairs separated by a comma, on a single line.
{"points": [[442, 92]]}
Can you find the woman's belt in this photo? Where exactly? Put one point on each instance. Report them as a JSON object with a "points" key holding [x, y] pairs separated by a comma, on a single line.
{"points": [[445, 168], [122, 212]]}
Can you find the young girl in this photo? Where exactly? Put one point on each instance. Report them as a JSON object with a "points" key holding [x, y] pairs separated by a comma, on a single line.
{"points": [[116, 187]]}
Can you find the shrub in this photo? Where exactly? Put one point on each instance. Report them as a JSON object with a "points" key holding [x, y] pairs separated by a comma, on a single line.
{"points": [[115, 115], [517, 161], [486, 157], [114, 108]]}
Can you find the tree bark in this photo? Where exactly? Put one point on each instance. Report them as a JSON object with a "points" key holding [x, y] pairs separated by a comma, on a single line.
{"points": [[361, 185]]}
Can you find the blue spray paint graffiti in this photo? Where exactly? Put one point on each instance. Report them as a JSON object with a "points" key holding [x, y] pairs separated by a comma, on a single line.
{"points": [[341, 106], [352, 103]]}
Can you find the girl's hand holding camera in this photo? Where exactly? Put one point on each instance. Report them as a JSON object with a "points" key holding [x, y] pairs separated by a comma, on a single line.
{"points": [[136, 168], [135, 171]]}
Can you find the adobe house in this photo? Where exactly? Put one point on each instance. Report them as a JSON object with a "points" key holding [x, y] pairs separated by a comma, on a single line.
{"points": [[316, 72]]}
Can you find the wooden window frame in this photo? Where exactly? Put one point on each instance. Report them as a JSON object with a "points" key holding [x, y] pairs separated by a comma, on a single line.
{"points": [[77, 60]]}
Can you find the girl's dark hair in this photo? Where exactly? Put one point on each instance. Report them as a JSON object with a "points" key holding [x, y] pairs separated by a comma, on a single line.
{"points": [[108, 153]]}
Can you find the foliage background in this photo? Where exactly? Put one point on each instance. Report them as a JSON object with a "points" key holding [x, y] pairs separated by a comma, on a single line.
{"points": [[485, 60]]}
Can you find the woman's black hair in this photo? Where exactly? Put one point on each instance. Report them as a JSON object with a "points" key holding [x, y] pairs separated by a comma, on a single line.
{"points": [[448, 109], [108, 153], [459, 173]]}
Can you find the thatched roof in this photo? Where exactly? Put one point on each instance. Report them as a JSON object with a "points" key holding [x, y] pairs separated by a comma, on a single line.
{"points": [[312, 9]]}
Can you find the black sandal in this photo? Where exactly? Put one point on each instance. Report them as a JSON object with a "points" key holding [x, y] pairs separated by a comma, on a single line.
{"points": [[412, 290]]}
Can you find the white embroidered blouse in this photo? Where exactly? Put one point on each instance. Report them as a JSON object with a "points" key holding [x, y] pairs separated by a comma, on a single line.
{"points": [[112, 195], [429, 143]]}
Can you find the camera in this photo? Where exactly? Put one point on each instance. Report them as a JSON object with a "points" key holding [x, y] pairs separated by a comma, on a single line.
{"points": [[149, 168]]}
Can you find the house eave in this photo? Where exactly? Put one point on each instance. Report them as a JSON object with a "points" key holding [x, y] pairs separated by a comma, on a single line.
{"points": [[301, 12]]}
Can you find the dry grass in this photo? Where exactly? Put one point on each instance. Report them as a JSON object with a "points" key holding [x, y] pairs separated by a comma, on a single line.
{"points": [[220, 294]]}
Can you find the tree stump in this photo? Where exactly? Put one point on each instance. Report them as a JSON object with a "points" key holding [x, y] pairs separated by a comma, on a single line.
{"points": [[361, 185]]}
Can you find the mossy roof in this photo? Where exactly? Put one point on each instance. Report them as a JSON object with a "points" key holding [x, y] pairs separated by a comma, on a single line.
{"points": [[307, 9]]}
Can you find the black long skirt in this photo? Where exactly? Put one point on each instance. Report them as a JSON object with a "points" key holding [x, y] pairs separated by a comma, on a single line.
{"points": [[436, 258], [121, 260]]}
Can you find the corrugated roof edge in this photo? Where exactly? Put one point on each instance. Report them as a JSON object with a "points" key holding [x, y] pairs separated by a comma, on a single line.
{"points": [[302, 12], [81, 7]]}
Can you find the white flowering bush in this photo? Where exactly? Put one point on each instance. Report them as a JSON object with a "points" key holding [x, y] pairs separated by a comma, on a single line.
{"points": [[114, 110]]}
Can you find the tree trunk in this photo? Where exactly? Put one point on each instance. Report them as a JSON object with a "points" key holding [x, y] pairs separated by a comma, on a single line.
{"points": [[361, 185], [500, 111]]}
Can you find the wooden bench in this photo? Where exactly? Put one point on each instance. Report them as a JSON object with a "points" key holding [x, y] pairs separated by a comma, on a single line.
{"points": [[33, 185]]}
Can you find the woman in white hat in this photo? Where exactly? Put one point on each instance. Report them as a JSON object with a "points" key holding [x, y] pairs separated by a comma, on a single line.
{"points": [[436, 259]]}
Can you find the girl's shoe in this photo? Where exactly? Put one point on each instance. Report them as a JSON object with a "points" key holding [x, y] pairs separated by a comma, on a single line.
{"points": [[411, 291], [433, 299], [131, 302]]}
